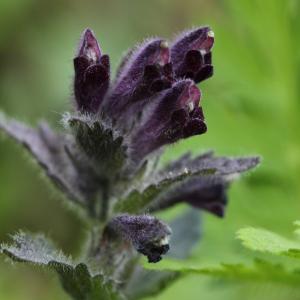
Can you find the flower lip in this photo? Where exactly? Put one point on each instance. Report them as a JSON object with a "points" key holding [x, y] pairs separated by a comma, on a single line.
{"points": [[89, 47], [204, 42], [190, 97], [191, 54], [162, 54]]}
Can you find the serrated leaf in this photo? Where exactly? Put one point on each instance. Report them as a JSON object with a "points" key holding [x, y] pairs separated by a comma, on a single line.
{"points": [[260, 270], [139, 199], [219, 165], [266, 241], [100, 143], [76, 279], [203, 165], [50, 151], [34, 249], [81, 285]]}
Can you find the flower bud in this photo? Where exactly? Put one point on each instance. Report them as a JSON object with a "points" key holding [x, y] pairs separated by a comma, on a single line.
{"points": [[176, 115], [191, 54], [147, 234], [145, 72], [91, 74]]}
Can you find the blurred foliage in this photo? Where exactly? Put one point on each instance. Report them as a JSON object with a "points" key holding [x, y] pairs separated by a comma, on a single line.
{"points": [[251, 107]]}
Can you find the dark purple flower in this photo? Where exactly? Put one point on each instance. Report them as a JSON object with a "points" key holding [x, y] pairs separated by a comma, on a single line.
{"points": [[91, 74], [144, 72], [148, 235], [175, 114], [191, 54]]}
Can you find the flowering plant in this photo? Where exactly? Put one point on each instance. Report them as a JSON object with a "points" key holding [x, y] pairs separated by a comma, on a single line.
{"points": [[106, 162]]}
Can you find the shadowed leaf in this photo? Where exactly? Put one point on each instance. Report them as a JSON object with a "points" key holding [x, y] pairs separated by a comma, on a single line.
{"points": [[53, 153]]}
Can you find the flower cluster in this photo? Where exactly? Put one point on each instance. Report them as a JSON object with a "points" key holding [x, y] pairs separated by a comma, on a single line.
{"points": [[106, 161], [154, 98]]}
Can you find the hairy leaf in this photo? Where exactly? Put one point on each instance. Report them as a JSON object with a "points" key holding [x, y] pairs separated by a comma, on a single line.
{"points": [[77, 280], [207, 161], [139, 198], [50, 151], [34, 249], [100, 143]]}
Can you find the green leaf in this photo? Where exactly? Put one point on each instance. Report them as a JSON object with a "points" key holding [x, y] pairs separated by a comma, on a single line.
{"points": [[185, 167], [266, 241], [76, 279], [139, 198], [260, 270], [100, 143], [80, 284]]}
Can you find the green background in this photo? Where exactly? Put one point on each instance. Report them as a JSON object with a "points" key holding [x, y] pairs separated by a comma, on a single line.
{"points": [[251, 105]]}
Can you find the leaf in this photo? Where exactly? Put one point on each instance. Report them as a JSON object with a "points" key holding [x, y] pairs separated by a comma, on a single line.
{"points": [[34, 249], [260, 270], [186, 233], [50, 151], [77, 280], [139, 199], [180, 163], [266, 241], [100, 143], [176, 172], [80, 284], [207, 161]]}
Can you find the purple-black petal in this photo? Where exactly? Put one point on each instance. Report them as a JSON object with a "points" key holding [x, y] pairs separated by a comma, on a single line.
{"points": [[175, 115], [191, 54], [92, 72], [145, 72], [147, 234], [202, 192]]}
